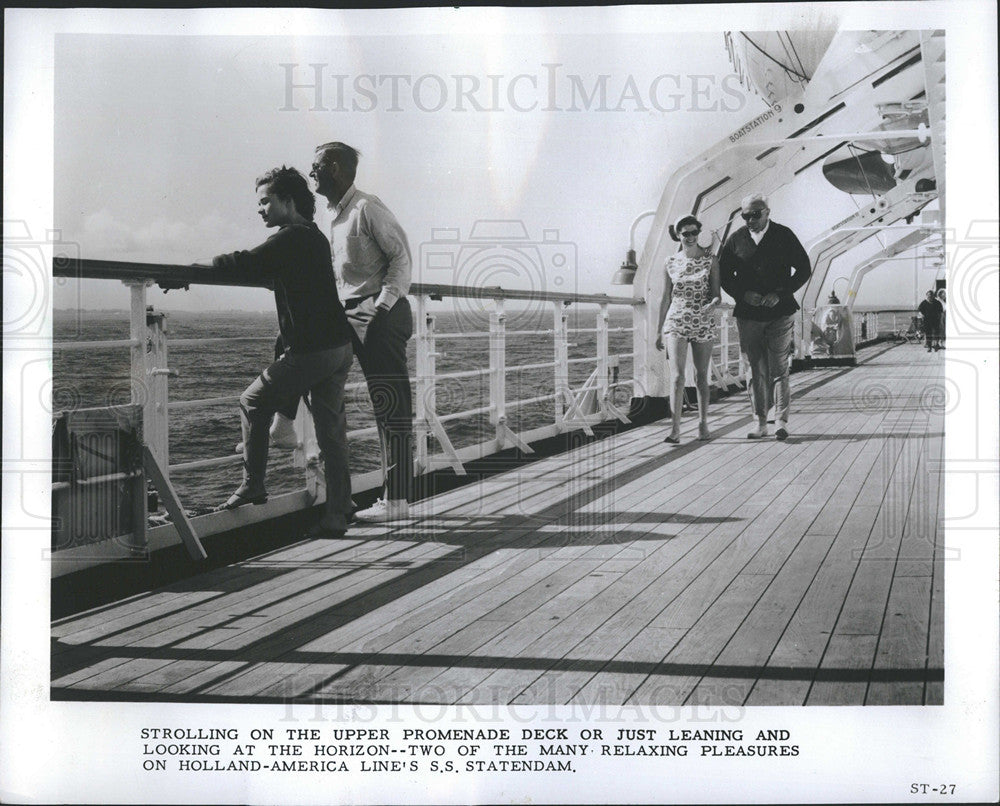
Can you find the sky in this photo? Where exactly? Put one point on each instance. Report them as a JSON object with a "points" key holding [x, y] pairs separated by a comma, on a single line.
{"points": [[158, 140]]}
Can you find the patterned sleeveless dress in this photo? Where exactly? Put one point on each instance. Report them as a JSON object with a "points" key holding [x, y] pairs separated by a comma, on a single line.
{"points": [[691, 292]]}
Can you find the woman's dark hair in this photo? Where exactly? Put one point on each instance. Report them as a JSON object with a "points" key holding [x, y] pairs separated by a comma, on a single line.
{"points": [[288, 183], [683, 221]]}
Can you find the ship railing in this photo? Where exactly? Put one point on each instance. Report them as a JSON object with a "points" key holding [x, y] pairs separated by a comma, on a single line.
{"points": [[572, 408], [880, 325], [602, 397]]}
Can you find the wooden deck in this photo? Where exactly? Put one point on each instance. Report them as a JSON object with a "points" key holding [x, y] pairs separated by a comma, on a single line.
{"points": [[727, 572]]}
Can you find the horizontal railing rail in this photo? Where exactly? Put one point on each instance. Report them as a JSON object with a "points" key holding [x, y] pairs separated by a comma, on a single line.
{"points": [[173, 276], [573, 406]]}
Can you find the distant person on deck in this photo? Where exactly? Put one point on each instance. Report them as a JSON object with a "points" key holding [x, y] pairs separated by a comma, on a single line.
{"points": [[932, 311], [372, 265], [942, 296], [316, 340], [761, 266]]}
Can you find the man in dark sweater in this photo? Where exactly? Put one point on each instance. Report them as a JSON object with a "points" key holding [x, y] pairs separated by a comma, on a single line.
{"points": [[316, 338], [761, 266], [932, 311]]}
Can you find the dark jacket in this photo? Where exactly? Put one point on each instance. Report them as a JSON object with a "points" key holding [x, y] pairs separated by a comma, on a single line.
{"points": [[931, 310], [297, 261], [779, 264]]}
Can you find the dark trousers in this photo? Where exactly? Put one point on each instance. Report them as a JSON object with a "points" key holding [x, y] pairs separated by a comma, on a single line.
{"points": [[322, 375], [381, 351], [932, 332]]}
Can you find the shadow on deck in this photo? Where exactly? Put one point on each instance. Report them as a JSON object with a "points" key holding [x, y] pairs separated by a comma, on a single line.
{"points": [[727, 572]]}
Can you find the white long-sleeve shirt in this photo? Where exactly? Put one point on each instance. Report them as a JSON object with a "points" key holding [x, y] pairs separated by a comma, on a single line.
{"points": [[371, 255]]}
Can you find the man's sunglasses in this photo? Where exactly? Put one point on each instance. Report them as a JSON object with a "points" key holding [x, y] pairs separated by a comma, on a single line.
{"points": [[753, 215]]}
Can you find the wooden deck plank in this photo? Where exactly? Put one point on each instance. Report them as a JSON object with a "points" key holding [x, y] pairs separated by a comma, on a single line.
{"points": [[862, 603], [934, 691], [653, 565], [478, 627], [143, 607], [632, 665], [780, 498], [424, 624], [847, 664], [179, 626], [234, 586], [364, 631], [805, 637], [263, 630], [752, 643], [152, 632], [549, 681], [686, 664], [725, 572], [792, 471], [546, 599], [518, 656], [902, 643], [638, 570], [324, 609]]}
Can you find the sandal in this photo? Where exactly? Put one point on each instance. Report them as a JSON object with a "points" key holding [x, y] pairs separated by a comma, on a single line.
{"points": [[238, 499]]}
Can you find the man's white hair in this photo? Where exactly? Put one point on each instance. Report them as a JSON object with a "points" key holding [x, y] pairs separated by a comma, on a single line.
{"points": [[754, 197]]}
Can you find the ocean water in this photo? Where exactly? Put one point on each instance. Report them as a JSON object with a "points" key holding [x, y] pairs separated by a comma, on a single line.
{"points": [[84, 379]]}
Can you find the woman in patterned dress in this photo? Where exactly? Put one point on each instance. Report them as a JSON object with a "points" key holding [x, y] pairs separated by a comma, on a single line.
{"points": [[690, 295]]}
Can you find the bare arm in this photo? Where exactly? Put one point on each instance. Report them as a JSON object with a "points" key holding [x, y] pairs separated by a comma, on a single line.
{"points": [[668, 292], [714, 292]]}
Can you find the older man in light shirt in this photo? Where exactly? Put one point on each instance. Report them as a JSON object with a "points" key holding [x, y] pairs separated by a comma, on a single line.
{"points": [[372, 265]]}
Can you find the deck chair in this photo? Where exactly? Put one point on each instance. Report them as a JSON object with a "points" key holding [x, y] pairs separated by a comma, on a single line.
{"points": [[914, 333]]}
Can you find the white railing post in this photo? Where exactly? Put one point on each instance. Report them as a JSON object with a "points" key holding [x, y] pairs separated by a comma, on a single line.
{"points": [[603, 368], [139, 379], [724, 342], [560, 338], [425, 408], [648, 378], [425, 382], [158, 372], [498, 369]]}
